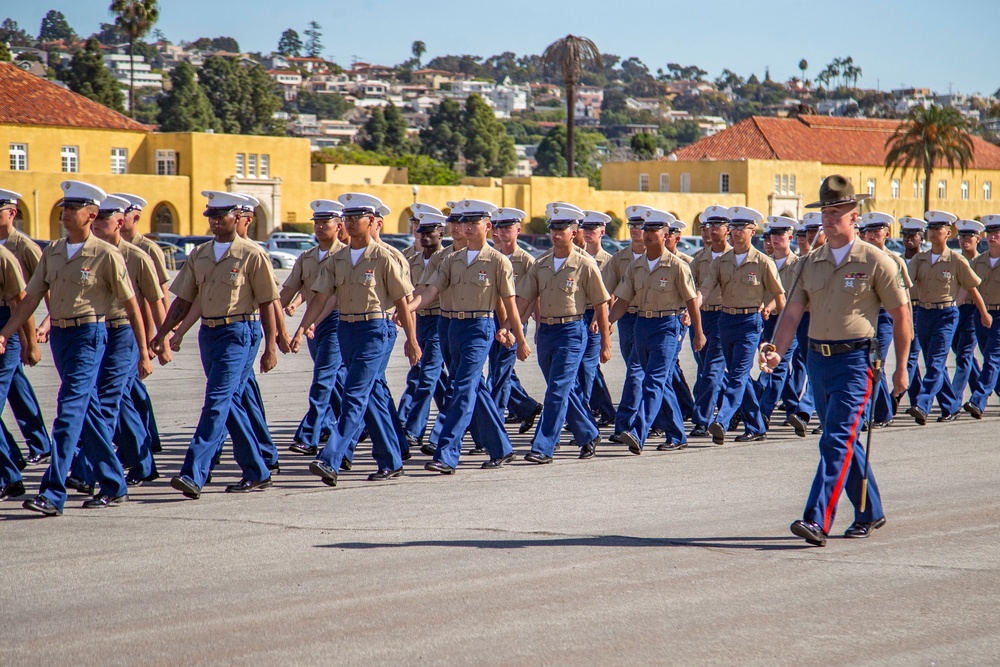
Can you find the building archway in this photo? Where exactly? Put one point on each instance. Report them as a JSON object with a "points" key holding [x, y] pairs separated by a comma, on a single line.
{"points": [[56, 229], [259, 229], [22, 222], [164, 219], [402, 224]]}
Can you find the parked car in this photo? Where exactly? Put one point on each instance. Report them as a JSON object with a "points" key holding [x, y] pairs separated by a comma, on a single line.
{"points": [[692, 241], [164, 236], [981, 247], [289, 242], [540, 241], [686, 247], [42, 242], [279, 258], [189, 243], [174, 254], [610, 245], [398, 241]]}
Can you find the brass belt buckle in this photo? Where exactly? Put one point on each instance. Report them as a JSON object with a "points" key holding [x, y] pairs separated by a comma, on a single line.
{"points": [[461, 315], [649, 314], [824, 349]]}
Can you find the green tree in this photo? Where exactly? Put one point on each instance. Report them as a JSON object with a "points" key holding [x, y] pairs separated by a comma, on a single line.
{"points": [[570, 55], [326, 106], [424, 170], [314, 43], [186, 108], [11, 33], [375, 131], [5, 56], [488, 150], [418, 49], [443, 137], [134, 18], [552, 151], [803, 66], [928, 137], [290, 44], [644, 145], [396, 140], [88, 76], [242, 96], [55, 27]]}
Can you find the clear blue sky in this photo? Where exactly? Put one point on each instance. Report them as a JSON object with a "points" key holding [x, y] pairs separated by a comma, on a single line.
{"points": [[896, 42]]}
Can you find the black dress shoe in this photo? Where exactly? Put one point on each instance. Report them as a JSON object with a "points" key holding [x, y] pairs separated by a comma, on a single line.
{"points": [[39, 458], [798, 423], [864, 426], [135, 480], [477, 451], [615, 437], [405, 455], [156, 448], [103, 500], [917, 414], [274, 468], [186, 485], [883, 424], [590, 449], [41, 505], [861, 530], [345, 464], [383, 475], [512, 419], [12, 490], [363, 436], [948, 418], [437, 466], [818, 430], [492, 464], [698, 431], [323, 471], [632, 442], [79, 486], [537, 457], [671, 446], [528, 423], [718, 433], [428, 449], [324, 436], [656, 433], [973, 410], [246, 486], [606, 423], [21, 464], [810, 532], [304, 449], [751, 437]]}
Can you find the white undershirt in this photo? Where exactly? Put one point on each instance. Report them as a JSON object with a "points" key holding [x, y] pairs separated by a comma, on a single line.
{"points": [[558, 263], [323, 254], [427, 261], [652, 263], [356, 255], [935, 258], [993, 261], [780, 262], [840, 253], [716, 255], [73, 248], [636, 255], [472, 256], [741, 258], [220, 249]]}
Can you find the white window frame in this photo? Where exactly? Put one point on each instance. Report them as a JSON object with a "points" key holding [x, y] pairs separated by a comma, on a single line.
{"points": [[166, 162], [724, 183], [664, 182], [70, 156], [686, 182], [871, 187], [987, 190], [18, 157], [791, 184], [643, 182], [241, 165], [251, 165], [895, 188], [942, 192], [784, 184], [777, 184], [265, 165], [965, 190], [119, 160]]}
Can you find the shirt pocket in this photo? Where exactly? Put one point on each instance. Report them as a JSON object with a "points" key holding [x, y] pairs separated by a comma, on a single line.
{"points": [[751, 279], [726, 271]]}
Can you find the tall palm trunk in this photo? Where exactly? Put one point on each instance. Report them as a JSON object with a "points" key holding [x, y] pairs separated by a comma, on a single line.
{"points": [[927, 189], [131, 76], [570, 125]]}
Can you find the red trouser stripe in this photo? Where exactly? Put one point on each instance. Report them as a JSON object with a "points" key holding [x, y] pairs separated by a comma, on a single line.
{"points": [[835, 496]]}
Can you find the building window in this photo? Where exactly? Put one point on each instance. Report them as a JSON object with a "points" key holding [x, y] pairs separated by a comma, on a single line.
{"points": [[895, 188], [965, 189], [791, 184], [19, 157], [70, 159], [252, 165], [119, 160], [685, 182], [784, 184], [942, 189], [166, 163], [871, 187], [265, 166], [723, 183], [915, 195], [240, 161], [777, 184], [664, 182], [643, 182], [987, 190]]}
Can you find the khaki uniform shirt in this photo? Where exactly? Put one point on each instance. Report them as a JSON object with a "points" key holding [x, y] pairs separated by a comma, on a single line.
{"points": [[412, 251], [237, 284], [904, 272], [844, 300], [989, 288], [940, 282], [25, 250], [566, 292], [701, 265], [520, 261], [86, 285], [475, 287], [11, 279], [669, 286], [602, 258], [749, 285], [370, 286], [307, 268], [142, 275], [444, 300], [156, 255], [421, 268], [615, 269]]}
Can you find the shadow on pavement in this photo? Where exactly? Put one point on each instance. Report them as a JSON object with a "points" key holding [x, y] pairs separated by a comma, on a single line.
{"points": [[755, 543]]}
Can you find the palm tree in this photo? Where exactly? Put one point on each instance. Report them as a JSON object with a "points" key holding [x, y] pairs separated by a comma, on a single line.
{"points": [[927, 138], [570, 55], [803, 65], [418, 49], [134, 18]]}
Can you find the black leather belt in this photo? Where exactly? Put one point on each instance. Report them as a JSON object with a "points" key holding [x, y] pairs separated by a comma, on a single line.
{"points": [[711, 309], [560, 320], [117, 324], [831, 349], [938, 306], [740, 311], [213, 322]]}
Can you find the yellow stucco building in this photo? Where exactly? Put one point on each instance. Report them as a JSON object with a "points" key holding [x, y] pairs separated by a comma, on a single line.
{"points": [[779, 163]]}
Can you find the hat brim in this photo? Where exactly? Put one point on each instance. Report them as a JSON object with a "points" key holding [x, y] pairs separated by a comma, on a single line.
{"points": [[854, 199]]}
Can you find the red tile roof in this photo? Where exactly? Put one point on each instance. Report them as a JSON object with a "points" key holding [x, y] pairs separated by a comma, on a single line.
{"points": [[31, 100], [826, 139]]}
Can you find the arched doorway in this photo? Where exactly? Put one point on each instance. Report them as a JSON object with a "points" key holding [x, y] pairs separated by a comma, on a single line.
{"points": [[261, 225], [164, 220], [56, 229], [22, 222]]}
